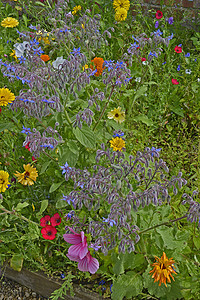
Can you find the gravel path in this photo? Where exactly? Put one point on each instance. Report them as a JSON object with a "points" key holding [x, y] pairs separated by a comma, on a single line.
{"points": [[11, 290]]}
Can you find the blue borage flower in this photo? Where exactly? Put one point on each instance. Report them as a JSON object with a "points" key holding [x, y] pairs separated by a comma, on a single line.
{"points": [[76, 51], [156, 24], [32, 27], [102, 282], [67, 199], [109, 221], [65, 168], [170, 20], [154, 149], [22, 59], [62, 276], [158, 32], [48, 101], [26, 130], [178, 68], [37, 51], [187, 54], [66, 30], [47, 146], [20, 33], [152, 54], [27, 100], [109, 64]]}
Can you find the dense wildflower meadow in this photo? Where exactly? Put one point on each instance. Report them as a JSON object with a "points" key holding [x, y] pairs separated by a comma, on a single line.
{"points": [[99, 146]]}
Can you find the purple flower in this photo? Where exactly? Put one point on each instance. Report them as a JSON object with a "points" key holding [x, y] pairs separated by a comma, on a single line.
{"points": [[111, 222], [76, 51], [67, 199], [158, 33], [26, 130], [156, 24], [178, 68], [65, 168], [187, 54], [154, 149], [170, 20]]}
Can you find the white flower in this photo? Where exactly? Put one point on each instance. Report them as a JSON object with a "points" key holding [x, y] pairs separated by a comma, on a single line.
{"points": [[20, 48], [138, 79], [198, 79], [145, 62], [188, 71], [59, 61]]}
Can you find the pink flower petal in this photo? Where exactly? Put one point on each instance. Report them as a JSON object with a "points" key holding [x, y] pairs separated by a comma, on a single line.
{"points": [[83, 264], [83, 251], [73, 258], [74, 250], [72, 238], [93, 265]]}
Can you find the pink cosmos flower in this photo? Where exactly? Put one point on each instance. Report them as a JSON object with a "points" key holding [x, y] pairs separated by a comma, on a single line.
{"points": [[79, 242], [174, 81]]}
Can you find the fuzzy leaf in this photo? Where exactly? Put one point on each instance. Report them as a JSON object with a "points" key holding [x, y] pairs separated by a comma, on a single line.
{"points": [[55, 186], [17, 262], [85, 136]]}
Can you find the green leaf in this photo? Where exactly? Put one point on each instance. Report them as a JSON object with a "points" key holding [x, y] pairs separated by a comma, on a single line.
{"points": [[133, 261], [144, 119], [61, 203], [55, 186], [20, 206], [25, 20], [196, 240], [17, 262], [68, 155], [170, 241], [44, 205], [141, 91], [128, 285], [85, 136], [4, 126], [73, 146], [119, 265], [45, 166]]}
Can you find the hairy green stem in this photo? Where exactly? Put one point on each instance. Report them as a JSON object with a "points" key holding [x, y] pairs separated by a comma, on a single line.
{"points": [[13, 212], [161, 224]]}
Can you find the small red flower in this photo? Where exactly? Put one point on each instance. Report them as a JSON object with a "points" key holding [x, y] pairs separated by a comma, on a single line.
{"points": [[45, 221], [56, 220], [27, 146], [34, 159], [143, 59], [174, 81], [159, 14], [178, 49], [49, 232], [0, 109]]}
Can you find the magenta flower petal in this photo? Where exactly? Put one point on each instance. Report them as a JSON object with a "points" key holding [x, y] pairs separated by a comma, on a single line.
{"points": [[74, 250], [93, 265], [83, 264], [83, 251], [73, 258], [72, 238]]}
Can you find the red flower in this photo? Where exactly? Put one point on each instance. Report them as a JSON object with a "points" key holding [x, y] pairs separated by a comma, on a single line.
{"points": [[174, 81], [159, 14], [27, 146], [0, 109], [49, 232], [56, 220], [143, 59], [34, 159], [178, 49], [45, 221]]}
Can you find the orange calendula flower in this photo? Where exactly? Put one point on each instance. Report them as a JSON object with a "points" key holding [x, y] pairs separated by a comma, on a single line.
{"points": [[45, 57], [28, 176], [163, 269], [98, 62]]}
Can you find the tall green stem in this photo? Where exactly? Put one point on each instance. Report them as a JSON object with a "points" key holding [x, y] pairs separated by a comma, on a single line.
{"points": [[164, 223], [13, 212], [103, 111]]}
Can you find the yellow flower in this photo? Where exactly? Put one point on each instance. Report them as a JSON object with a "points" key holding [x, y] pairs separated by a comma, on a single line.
{"points": [[3, 181], [121, 4], [28, 176], [13, 54], [117, 144], [76, 9], [85, 67], [117, 115], [6, 96], [121, 14], [9, 22], [162, 269]]}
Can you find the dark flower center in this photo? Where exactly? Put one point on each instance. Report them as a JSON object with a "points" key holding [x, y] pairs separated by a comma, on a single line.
{"points": [[49, 233], [26, 175], [116, 115], [58, 220], [2, 181]]}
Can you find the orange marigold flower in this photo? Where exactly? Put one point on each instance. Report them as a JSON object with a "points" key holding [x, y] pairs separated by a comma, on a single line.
{"points": [[98, 62], [163, 269], [45, 57]]}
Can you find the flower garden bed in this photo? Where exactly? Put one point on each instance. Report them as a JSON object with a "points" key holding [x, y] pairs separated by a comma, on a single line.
{"points": [[99, 150]]}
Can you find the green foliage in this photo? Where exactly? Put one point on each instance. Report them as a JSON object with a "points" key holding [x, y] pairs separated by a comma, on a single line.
{"points": [[62, 291]]}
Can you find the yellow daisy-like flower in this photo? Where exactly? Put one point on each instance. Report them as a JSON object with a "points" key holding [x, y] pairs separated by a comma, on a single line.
{"points": [[6, 96], [85, 67], [117, 144], [117, 115], [3, 181], [121, 4], [163, 269], [9, 22], [121, 14], [76, 9], [28, 176]]}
